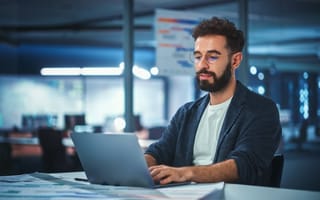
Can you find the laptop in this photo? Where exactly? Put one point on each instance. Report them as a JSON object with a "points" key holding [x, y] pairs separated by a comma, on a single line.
{"points": [[114, 159]]}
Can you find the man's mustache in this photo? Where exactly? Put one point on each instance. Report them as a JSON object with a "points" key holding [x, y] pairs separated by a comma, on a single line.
{"points": [[204, 71]]}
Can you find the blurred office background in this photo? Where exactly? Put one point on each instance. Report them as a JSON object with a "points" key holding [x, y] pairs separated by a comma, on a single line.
{"points": [[283, 63]]}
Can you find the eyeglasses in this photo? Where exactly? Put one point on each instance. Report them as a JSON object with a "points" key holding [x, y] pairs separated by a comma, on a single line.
{"points": [[210, 57]]}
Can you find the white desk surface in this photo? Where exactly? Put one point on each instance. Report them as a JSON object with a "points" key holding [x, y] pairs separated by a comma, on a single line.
{"points": [[64, 186]]}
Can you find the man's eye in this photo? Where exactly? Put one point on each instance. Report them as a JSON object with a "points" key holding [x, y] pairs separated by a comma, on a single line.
{"points": [[197, 58], [212, 58]]}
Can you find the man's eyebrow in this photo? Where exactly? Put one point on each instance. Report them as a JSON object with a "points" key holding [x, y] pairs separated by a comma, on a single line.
{"points": [[209, 51], [214, 51]]}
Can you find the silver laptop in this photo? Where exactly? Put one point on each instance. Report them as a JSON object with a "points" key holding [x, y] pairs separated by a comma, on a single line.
{"points": [[113, 159]]}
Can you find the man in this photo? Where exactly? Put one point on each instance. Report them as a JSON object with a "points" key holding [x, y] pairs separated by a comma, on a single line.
{"points": [[229, 135]]}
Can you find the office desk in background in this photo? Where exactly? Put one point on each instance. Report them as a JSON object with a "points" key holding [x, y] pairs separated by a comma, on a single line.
{"points": [[64, 186], [22, 153], [66, 141], [28, 146], [33, 148]]}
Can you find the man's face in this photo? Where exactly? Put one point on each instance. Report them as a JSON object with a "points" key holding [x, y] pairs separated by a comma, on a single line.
{"points": [[218, 84], [212, 63]]}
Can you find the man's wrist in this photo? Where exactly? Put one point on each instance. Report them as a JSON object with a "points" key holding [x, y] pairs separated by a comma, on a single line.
{"points": [[188, 173]]}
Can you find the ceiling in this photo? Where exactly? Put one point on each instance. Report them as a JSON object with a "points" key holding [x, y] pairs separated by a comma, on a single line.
{"points": [[283, 34]]}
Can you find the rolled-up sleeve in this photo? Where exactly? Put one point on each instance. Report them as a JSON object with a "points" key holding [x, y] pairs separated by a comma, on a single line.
{"points": [[258, 139]]}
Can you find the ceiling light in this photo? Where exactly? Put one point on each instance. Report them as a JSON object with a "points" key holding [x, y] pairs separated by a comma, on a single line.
{"points": [[94, 71], [154, 70], [141, 73], [101, 71], [60, 71], [253, 70]]}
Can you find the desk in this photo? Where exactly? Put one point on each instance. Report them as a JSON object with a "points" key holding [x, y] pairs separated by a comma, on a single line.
{"points": [[31, 141], [29, 146], [63, 186]]}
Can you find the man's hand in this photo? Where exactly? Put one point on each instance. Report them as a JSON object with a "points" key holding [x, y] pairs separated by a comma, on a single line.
{"points": [[226, 171], [165, 174]]}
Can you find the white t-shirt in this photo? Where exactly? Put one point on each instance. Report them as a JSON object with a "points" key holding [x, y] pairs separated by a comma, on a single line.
{"points": [[208, 132]]}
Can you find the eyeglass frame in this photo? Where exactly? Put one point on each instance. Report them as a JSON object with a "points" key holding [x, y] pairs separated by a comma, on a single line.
{"points": [[214, 58]]}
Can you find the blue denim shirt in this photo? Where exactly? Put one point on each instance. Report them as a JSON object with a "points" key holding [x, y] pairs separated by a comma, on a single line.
{"points": [[250, 135]]}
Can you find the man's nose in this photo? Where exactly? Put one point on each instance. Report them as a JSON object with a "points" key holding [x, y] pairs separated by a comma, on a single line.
{"points": [[203, 63]]}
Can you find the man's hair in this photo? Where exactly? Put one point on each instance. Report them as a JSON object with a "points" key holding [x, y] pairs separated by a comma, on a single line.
{"points": [[218, 26]]}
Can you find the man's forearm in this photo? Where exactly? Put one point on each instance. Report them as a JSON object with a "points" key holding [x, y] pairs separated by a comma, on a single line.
{"points": [[150, 160], [225, 171]]}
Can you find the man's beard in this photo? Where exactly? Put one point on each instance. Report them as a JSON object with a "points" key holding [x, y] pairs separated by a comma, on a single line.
{"points": [[219, 83]]}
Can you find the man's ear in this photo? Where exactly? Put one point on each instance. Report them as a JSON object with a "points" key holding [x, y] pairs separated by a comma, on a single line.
{"points": [[236, 59]]}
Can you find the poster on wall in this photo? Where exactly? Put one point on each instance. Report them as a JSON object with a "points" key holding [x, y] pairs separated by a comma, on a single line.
{"points": [[174, 48]]}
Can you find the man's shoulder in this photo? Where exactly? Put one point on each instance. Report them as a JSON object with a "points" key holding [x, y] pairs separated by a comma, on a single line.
{"points": [[259, 99], [252, 102], [251, 97]]}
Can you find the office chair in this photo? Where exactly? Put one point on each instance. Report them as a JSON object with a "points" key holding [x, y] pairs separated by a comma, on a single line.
{"points": [[5, 158], [276, 170], [54, 156]]}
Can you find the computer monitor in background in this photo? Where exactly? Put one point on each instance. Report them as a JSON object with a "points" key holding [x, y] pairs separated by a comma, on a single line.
{"points": [[33, 122], [72, 120]]}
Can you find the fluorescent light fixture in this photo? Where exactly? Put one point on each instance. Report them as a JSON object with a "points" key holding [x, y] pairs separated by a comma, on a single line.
{"points": [[138, 71], [85, 71], [61, 71], [121, 65], [94, 71], [101, 71], [141, 73]]}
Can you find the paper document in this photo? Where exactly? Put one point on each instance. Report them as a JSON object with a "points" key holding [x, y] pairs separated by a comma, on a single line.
{"points": [[195, 191]]}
